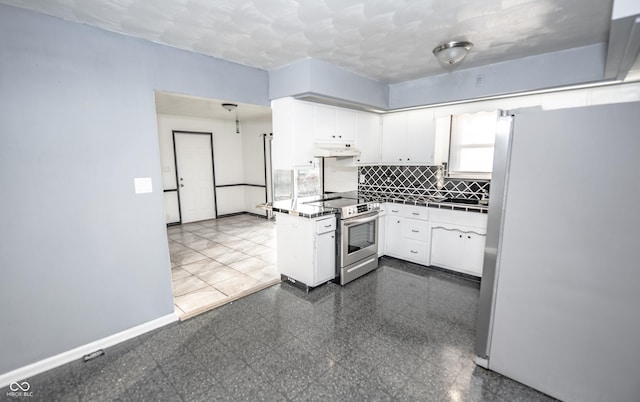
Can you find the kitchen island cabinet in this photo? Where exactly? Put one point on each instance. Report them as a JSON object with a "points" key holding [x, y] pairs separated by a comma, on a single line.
{"points": [[306, 249]]}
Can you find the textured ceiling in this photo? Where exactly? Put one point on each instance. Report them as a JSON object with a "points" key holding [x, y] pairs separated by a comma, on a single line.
{"points": [[388, 40]]}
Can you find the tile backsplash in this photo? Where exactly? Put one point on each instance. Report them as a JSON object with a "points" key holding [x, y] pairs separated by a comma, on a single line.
{"points": [[391, 181]]}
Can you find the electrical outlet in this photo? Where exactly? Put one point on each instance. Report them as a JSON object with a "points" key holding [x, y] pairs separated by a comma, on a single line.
{"points": [[363, 179], [479, 80]]}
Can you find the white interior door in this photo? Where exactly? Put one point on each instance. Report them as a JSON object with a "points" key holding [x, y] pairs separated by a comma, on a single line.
{"points": [[194, 166]]}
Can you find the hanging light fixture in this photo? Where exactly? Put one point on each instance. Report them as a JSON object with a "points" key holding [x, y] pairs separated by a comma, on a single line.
{"points": [[452, 52], [231, 107]]}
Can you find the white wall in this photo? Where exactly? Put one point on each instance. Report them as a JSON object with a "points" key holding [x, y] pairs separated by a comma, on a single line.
{"points": [[254, 161], [238, 159], [340, 174], [228, 159]]}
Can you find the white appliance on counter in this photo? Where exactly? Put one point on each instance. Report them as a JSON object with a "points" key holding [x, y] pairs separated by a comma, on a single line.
{"points": [[559, 296]]}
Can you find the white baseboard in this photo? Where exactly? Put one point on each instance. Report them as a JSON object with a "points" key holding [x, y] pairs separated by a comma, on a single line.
{"points": [[73, 354]]}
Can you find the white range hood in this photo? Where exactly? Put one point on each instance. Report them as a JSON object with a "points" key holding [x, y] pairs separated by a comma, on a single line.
{"points": [[334, 150]]}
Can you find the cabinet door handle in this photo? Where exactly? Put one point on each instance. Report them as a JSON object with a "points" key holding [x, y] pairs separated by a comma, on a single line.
{"points": [[414, 252], [415, 213], [468, 237], [461, 236], [327, 226], [394, 210], [415, 231]]}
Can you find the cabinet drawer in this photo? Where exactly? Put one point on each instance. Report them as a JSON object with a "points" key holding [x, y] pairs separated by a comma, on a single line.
{"points": [[394, 209], [461, 218], [415, 229], [416, 212], [414, 250], [326, 225]]}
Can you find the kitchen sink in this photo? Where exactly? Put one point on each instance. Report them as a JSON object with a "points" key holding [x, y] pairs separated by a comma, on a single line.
{"points": [[462, 201]]}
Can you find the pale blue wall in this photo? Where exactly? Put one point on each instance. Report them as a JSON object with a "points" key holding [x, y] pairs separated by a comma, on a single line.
{"points": [[316, 77], [549, 70], [82, 257]]}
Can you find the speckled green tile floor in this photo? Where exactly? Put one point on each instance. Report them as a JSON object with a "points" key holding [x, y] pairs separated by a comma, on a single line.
{"points": [[401, 333]]}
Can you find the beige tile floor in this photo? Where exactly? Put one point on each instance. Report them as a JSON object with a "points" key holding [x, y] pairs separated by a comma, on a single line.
{"points": [[217, 261]]}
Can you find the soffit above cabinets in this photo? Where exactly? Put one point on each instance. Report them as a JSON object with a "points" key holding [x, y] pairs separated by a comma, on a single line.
{"points": [[389, 41]]}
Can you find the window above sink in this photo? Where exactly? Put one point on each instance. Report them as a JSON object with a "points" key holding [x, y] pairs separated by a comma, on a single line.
{"points": [[471, 144]]}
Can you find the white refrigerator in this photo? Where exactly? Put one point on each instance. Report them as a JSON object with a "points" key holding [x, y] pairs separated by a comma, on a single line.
{"points": [[560, 296]]}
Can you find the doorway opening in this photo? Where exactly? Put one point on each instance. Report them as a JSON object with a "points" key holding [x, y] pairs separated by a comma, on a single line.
{"points": [[215, 170]]}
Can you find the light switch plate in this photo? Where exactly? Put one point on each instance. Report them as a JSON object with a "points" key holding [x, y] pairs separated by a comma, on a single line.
{"points": [[143, 185]]}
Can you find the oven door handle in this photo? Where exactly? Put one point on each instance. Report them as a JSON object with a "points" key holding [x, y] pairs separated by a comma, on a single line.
{"points": [[361, 219]]}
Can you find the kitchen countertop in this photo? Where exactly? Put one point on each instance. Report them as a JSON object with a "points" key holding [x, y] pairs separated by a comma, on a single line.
{"points": [[434, 203], [299, 206]]}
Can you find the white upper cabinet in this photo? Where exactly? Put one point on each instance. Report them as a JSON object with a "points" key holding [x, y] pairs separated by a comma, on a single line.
{"points": [[408, 138], [394, 138], [303, 141], [420, 136], [368, 136], [345, 124], [292, 133], [333, 124]]}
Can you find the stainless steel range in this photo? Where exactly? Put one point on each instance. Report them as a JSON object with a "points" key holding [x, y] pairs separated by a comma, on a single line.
{"points": [[356, 236]]}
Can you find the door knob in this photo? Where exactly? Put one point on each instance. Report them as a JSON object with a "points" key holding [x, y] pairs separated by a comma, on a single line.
{"points": [[181, 179]]}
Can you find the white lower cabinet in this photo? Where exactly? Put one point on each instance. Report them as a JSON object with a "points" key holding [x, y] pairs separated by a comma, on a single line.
{"points": [[382, 229], [455, 246], [306, 248], [415, 251], [393, 231], [415, 234], [429, 236], [407, 233], [458, 249], [325, 258]]}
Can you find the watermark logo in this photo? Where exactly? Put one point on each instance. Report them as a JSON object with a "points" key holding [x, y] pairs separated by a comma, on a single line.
{"points": [[20, 389], [20, 386]]}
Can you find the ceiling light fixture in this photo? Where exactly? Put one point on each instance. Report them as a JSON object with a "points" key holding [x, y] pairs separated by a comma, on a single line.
{"points": [[229, 106], [452, 52]]}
